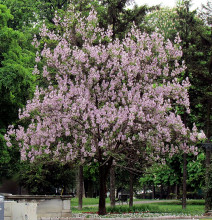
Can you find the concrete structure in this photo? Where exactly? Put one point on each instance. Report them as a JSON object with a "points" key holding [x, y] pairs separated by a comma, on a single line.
{"points": [[30, 207], [55, 207], [20, 211], [1, 207]]}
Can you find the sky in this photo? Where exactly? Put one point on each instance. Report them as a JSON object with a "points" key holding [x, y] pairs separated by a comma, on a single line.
{"points": [[170, 3]]}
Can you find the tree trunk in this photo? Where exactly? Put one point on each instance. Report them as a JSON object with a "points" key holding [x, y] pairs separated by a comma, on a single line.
{"points": [[207, 181], [168, 192], [208, 122], [112, 187], [153, 191], [131, 190], [102, 190], [161, 191], [144, 194], [90, 189], [208, 197], [184, 180], [175, 191], [184, 166], [80, 187]]}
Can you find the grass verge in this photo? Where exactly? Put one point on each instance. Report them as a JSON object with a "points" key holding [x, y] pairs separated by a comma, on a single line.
{"points": [[87, 201], [194, 207], [93, 201]]}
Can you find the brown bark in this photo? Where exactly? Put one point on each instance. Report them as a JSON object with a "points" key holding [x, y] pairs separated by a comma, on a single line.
{"points": [[153, 191], [208, 204], [80, 189], [102, 190], [184, 180], [168, 192], [175, 191], [131, 190], [207, 194], [112, 187], [144, 194], [161, 191], [208, 123]]}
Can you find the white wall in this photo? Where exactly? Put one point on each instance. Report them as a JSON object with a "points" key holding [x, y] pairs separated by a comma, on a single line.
{"points": [[20, 211]]}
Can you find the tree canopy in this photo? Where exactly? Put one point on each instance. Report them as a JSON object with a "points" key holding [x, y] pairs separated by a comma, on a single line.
{"points": [[105, 96]]}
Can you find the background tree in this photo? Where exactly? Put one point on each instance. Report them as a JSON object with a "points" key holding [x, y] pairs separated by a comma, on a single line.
{"points": [[206, 13], [196, 54], [17, 84], [118, 14], [195, 35], [47, 178], [167, 177], [24, 13], [16, 65]]}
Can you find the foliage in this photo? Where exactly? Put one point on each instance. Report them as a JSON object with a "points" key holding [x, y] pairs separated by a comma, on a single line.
{"points": [[163, 21], [170, 173], [208, 189], [9, 160], [91, 179], [46, 178], [120, 17], [16, 65], [206, 12], [104, 97], [195, 36], [91, 172], [158, 208], [25, 15], [46, 9], [197, 53], [196, 172], [160, 174], [91, 64], [23, 11], [16, 85]]}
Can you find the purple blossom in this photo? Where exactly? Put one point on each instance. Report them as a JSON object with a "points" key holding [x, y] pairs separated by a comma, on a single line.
{"points": [[105, 97]]}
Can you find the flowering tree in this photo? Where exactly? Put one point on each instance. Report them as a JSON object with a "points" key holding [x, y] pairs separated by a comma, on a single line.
{"points": [[104, 97]]}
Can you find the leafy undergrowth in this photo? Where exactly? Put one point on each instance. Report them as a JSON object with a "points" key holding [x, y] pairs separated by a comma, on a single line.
{"points": [[188, 202], [159, 208]]}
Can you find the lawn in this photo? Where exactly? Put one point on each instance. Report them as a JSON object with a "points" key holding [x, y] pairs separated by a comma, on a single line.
{"points": [[93, 201], [87, 201], [194, 207]]}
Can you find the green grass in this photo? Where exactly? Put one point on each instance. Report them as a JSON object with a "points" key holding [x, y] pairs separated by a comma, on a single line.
{"points": [[194, 207], [93, 201], [85, 209], [160, 208], [205, 218], [176, 209], [87, 201], [86, 204], [188, 202]]}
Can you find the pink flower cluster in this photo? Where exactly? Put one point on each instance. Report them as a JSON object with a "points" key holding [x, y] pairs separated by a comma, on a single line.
{"points": [[105, 96]]}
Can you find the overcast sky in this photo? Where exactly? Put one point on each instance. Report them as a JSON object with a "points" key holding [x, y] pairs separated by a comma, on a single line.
{"points": [[170, 3]]}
